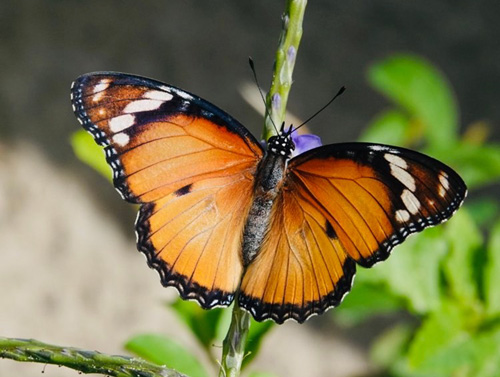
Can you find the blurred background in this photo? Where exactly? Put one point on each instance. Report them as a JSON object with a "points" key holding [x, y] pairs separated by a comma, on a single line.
{"points": [[69, 270]]}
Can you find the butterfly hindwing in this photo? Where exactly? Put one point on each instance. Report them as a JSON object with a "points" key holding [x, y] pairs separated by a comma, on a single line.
{"points": [[181, 158], [341, 204], [301, 269], [191, 237]]}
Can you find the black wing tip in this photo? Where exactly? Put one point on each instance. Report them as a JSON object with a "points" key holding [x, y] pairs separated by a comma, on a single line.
{"points": [[99, 136], [215, 113], [77, 88], [416, 227], [281, 313], [188, 290], [111, 74]]}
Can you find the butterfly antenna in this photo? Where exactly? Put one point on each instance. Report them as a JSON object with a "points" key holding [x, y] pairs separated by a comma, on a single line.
{"points": [[252, 67], [341, 90]]}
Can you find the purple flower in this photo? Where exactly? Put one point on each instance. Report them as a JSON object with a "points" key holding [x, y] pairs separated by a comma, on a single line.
{"points": [[303, 143], [291, 53], [276, 101]]}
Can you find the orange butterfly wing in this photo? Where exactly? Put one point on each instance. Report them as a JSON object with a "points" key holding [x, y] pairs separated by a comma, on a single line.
{"points": [[342, 204], [189, 165], [299, 270]]}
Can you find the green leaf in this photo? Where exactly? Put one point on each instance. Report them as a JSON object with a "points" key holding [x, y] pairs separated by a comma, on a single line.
{"points": [[443, 328], [364, 301], [165, 351], [390, 127], [450, 350], [478, 164], [86, 149], [492, 273], [256, 334], [413, 271], [391, 345], [485, 349], [418, 87], [460, 267], [202, 323], [223, 324], [483, 211]]}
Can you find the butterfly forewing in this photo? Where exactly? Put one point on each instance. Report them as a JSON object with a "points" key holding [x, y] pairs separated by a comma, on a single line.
{"points": [[377, 195], [159, 138], [189, 164]]}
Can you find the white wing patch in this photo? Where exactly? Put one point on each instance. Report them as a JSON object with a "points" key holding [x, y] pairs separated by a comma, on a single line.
{"points": [[410, 201], [142, 105], [121, 122], [121, 139], [158, 95], [100, 88]]}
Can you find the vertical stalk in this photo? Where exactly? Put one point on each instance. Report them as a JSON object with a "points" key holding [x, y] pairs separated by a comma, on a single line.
{"points": [[233, 347], [288, 45]]}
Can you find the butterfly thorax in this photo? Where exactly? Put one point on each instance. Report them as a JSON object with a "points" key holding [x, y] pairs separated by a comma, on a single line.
{"points": [[268, 183], [281, 145]]}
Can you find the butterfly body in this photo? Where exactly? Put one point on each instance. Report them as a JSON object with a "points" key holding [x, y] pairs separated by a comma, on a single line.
{"points": [[220, 217], [269, 180]]}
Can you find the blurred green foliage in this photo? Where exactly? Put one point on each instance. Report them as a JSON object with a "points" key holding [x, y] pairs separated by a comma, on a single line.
{"points": [[447, 277], [86, 149], [208, 328]]}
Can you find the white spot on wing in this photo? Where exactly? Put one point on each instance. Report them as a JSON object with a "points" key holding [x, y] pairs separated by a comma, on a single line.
{"points": [[403, 176], [393, 159], [402, 215], [142, 105], [410, 201], [445, 184], [377, 148], [97, 97], [158, 95], [121, 139], [180, 93], [121, 122], [100, 88], [442, 192], [103, 85]]}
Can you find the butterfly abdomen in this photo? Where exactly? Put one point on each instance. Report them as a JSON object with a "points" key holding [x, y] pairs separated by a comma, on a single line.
{"points": [[268, 182]]}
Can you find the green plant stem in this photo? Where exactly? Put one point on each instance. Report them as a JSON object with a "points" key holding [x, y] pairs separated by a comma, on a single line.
{"points": [[30, 350], [286, 54], [233, 347]]}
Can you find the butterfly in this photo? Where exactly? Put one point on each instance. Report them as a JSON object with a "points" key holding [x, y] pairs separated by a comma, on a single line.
{"points": [[223, 218]]}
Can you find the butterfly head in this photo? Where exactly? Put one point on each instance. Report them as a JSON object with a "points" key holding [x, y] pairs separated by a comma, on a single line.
{"points": [[281, 144]]}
